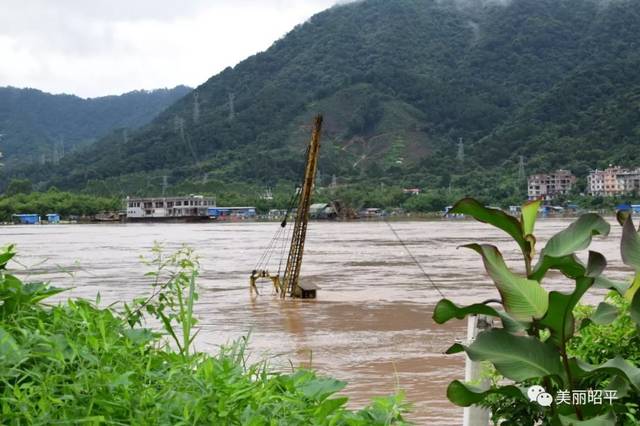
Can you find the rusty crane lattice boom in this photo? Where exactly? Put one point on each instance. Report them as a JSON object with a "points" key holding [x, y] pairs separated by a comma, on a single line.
{"points": [[290, 284]]}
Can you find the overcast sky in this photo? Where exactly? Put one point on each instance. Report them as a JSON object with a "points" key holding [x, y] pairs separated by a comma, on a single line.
{"points": [[101, 47]]}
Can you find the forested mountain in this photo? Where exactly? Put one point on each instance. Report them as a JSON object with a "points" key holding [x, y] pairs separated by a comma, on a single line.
{"points": [[400, 83], [41, 127]]}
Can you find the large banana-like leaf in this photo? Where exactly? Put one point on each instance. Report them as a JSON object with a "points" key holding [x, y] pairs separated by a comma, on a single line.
{"points": [[617, 366], [606, 283], [515, 357], [604, 314], [495, 217], [529, 215], [630, 245], [523, 299], [569, 265], [559, 253], [465, 395], [446, 310], [576, 236], [559, 318]]}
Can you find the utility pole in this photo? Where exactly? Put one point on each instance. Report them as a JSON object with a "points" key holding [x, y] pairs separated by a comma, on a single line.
{"points": [[460, 155], [475, 416], [164, 184]]}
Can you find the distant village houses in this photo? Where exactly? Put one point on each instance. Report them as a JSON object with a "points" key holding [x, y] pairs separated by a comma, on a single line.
{"points": [[613, 181], [546, 186]]}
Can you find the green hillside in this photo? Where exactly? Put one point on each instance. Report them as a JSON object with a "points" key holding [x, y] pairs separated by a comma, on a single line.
{"points": [[399, 83], [41, 127]]}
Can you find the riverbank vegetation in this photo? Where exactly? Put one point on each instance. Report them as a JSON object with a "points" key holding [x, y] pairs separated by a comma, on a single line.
{"points": [[546, 338], [74, 362], [67, 204]]}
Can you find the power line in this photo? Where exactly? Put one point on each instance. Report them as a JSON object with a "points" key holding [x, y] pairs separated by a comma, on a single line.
{"points": [[433, 284]]}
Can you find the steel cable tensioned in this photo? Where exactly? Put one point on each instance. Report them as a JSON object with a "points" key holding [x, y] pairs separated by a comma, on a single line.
{"points": [[282, 234], [415, 260]]}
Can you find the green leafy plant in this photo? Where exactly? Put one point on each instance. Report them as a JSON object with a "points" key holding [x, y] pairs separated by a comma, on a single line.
{"points": [[536, 344], [174, 293]]}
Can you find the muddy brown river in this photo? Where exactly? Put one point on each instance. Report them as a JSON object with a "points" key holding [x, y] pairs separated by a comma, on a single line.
{"points": [[371, 324]]}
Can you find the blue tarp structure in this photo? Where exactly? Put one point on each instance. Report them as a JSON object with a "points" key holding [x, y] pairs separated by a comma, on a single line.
{"points": [[53, 218], [27, 219], [231, 211]]}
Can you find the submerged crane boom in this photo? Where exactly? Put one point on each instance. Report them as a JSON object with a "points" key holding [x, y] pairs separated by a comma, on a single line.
{"points": [[290, 283]]}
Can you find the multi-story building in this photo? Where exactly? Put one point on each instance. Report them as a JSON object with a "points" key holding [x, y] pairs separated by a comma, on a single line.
{"points": [[547, 186], [192, 207], [613, 181], [595, 183]]}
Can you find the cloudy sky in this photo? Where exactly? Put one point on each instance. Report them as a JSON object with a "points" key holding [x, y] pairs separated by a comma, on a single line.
{"points": [[101, 47]]}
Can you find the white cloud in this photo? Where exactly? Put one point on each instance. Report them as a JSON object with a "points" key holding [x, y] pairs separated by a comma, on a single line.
{"points": [[100, 47]]}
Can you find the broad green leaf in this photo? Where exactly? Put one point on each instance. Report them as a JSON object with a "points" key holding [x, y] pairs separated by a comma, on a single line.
{"points": [[465, 395], [634, 309], [630, 245], [523, 299], [606, 283], [516, 357], [569, 265], [596, 264], [319, 389], [618, 366], [607, 419], [559, 318], [446, 310], [330, 406], [456, 348], [576, 236], [497, 218], [604, 314], [529, 215]]}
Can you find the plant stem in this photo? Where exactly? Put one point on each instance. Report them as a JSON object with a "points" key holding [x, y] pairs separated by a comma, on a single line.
{"points": [[565, 363]]}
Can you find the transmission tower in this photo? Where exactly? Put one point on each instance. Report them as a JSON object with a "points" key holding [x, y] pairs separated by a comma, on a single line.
{"points": [[196, 107], [460, 155], [164, 184], [232, 108], [521, 172], [55, 158], [125, 136]]}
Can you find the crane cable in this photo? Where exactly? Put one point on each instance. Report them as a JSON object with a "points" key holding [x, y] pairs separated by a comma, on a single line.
{"points": [[415, 260], [264, 260]]}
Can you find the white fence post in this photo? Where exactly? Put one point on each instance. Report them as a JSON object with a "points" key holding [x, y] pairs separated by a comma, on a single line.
{"points": [[475, 416]]}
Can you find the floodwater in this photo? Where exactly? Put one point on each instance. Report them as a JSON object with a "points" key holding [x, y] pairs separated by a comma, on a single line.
{"points": [[371, 324]]}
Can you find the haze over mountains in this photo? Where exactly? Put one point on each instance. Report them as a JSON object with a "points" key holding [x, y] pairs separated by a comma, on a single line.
{"points": [[399, 83]]}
